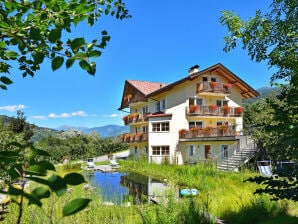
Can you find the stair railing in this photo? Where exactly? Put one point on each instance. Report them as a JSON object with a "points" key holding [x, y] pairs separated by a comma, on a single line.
{"points": [[220, 159]]}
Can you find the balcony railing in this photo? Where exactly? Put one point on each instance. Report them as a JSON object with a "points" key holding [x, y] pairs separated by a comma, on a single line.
{"points": [[213, 110], [214, 87], [222, 130], [134, 137], [134, 118]]}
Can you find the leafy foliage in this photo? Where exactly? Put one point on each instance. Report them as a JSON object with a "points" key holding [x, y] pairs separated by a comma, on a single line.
{"points": [[273, 38], [32, 31]]}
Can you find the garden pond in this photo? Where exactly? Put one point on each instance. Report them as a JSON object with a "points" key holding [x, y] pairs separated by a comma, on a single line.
{"points": [[119, 188]]}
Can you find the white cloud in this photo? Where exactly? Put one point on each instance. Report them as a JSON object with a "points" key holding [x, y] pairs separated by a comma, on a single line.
{"points": [[13, 108], [79, 113], [112, 115], [40, 117]]}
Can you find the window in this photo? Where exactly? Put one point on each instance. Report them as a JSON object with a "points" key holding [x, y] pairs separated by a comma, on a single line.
{"points": [[221, 103], [163, 104], [224, 151], [145, 110], [193, 124], [213, 79], [191, 150], [158, 127], [146, 149], [196, 101], [205, 79], [145, 129], [157, 106], [161, 150], [136, 150]]}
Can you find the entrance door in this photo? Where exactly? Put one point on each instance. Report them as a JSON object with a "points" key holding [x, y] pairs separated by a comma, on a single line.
{"points": [[207, 152]]}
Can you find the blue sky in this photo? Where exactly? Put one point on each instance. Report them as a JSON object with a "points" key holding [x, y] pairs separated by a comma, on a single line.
{"points": [[161, 41]]}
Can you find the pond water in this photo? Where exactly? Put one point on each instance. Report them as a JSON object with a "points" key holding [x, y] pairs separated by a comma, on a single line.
{"points": [[120, 187]]}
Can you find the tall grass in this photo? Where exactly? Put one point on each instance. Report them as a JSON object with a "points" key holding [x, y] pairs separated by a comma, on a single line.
{"points": [[222, 195]]}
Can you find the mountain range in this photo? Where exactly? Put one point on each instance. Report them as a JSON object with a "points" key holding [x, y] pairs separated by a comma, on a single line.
{"points": [[114, 130]]}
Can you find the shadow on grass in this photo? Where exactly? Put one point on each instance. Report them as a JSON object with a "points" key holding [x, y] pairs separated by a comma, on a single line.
{"points": [[261, 212]]}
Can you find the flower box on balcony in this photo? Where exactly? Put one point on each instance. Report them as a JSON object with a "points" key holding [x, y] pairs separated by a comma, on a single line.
{"points": [[226, 109], [213, 85], [138, 136], [239, 110], [207, 131], [182, 133], [227, 85], [193, 108], [212, 107]]}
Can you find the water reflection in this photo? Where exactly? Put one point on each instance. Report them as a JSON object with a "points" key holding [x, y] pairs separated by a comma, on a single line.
{"points": [[120, 187]]}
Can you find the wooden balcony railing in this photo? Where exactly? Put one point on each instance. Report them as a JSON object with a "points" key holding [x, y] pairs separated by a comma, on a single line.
{"points": [[214, 87], [221, 130], [134, 118], [134, 137], [213, 110]]}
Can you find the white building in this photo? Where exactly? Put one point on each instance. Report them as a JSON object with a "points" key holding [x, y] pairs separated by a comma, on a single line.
{"points": [[196, 118]]}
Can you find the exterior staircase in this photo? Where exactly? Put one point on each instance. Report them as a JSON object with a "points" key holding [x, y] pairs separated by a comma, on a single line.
{"points": [[241, 155]]}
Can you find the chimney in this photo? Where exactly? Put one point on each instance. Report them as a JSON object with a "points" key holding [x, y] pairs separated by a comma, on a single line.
{"points": [[194, 69]]}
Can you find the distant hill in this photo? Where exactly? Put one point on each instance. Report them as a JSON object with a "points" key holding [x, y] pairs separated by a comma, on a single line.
{"points": [[264, 93], [108, 130], [103, 131]]}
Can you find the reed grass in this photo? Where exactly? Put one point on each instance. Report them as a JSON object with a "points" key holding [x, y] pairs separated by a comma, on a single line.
{"points": [[222, 195]]}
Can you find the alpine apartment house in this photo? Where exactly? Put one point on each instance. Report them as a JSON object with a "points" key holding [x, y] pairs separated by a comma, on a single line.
{"points": [[196, 118]]}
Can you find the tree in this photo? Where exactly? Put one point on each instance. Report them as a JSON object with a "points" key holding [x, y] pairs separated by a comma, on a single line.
{"points": [[32, 31], [273, 38]]}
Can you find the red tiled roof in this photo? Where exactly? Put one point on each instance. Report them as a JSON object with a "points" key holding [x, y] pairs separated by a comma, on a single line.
{"points": [[146, 87]]}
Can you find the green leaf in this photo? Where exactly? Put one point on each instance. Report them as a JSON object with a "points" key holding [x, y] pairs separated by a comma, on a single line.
{"points": [[11, 54], [38, 57], [94, 53], [35, 34], [54, 35], [38, 170], [74, 178], [9, 153], [84, 64], [77, 43], [3, 87], [17, 144], [38, 180], [57, 63], [41, 152], [69, 62], [15, 171], [57, 184], [5, 80], [41, 192], [75, 206], [46, 164]]}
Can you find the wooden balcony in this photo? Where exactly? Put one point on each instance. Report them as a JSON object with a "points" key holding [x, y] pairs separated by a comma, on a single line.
{"points": [[134, 118], [214, 87], [213, 110], [207, 132], [134, 137]]}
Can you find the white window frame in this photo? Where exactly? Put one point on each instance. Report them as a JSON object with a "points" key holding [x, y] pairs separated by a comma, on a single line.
{"points": [[191, 150], [161, 126], [224, 151], [158, 150]]}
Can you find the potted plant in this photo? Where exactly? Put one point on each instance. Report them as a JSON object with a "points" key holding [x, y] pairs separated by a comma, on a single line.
{"points": [[227, 85], [193, 108], [138, 136], [213, 84], [238, 110], [207, 130], [226, 109], [182, 133], [194, 131], [213, 107], [125, 119]]}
